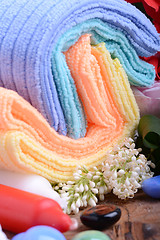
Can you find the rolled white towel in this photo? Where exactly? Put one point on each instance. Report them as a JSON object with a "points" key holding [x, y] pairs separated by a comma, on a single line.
{"points": [[31, 183]]}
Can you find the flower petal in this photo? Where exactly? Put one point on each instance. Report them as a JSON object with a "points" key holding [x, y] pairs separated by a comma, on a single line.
{"points": [[155, 61], [153, 4], [148, 99], [153, 10], [157, 25]]}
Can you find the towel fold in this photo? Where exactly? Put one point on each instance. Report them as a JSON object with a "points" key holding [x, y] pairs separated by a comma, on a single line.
{"points": [[30, 31], [28, 143], [139, 72]]}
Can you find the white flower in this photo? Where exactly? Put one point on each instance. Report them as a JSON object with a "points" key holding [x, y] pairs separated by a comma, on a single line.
{"points": [[85, 203], [73, 206], [95, 168], [94, 190], [86, 187], [81, 188], [84, 198], [133, 158], [76, 194], [106, 165], [70, 182], [95, 177], [56, 187], [76, 210], [94, 198], [101, 197], [106, 190], [132, 146], [101, 190], [76, 174], [89, 175], [78, 203], [92, 184], [64, 195], [76, 177], [151, 164], [77, 189], [127, 182], [68, 211], [66, 188], [60, 184], [79, 171], [91, 202], [114, 176]]}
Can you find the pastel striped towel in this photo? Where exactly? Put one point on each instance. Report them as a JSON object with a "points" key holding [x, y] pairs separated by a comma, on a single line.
{"points": [[29, 144], [31, 64]]}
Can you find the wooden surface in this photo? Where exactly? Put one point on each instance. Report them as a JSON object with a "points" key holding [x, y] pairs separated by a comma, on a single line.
{"points": [[140, 219]]}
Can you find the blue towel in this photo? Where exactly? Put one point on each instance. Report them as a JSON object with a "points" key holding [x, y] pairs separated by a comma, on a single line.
{"points": [[29, 33]]}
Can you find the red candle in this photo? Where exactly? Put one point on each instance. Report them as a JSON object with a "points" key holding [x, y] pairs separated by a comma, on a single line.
{"points": [[20, 210]]}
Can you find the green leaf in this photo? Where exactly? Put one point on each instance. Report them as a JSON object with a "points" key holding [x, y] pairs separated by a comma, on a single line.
{"points": [[155, 158], [149, 140], [139, 144], [149, 130]]}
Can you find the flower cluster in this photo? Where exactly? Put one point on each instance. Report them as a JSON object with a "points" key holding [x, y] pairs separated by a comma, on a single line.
{"points": [[122, 173], [88, 185], [125, 169]]}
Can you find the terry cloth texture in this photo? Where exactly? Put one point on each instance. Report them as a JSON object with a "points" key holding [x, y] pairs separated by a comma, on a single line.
{"points": [[30, 31], [140, 73], [29, 144]]}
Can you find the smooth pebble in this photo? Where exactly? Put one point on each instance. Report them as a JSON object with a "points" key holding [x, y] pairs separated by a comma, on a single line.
{"points": [[151, 186], [101, 216], [91, 235], [40, 233]]}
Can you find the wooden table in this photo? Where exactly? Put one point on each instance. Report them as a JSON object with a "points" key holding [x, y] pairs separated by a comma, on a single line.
{"points": [[140, 219]]}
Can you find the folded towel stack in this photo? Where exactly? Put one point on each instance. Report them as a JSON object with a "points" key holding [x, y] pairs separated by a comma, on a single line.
{"points": [[28, 143], [70, 61], [30, 37]]}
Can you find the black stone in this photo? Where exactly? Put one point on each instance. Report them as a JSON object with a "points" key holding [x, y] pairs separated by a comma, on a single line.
{"points": [[101, 216]]}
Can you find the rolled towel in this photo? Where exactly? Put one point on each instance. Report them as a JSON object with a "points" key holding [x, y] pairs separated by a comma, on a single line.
{"points": [[30, 31], [29, 144], [139, 72]]}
